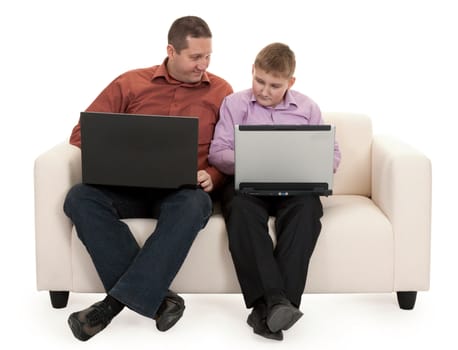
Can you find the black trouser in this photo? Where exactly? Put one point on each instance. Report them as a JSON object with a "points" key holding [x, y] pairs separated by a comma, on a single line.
{"points": [[263, 269]]}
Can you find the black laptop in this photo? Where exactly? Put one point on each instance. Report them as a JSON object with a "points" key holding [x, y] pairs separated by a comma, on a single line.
{"points": [[139, 150]]}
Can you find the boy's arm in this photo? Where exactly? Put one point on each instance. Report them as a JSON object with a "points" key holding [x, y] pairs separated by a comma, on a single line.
{"points": [[221, 153]]}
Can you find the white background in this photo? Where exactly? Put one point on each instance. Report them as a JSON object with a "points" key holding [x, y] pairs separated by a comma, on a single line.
{"points": [[393, 60]]}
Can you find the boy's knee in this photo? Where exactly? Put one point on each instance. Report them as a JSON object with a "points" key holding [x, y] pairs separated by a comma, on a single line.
{"points": [[312, 204]]}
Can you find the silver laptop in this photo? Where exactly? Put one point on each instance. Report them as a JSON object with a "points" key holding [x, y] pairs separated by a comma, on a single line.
{"points": [[139, 150], [284, 160]]}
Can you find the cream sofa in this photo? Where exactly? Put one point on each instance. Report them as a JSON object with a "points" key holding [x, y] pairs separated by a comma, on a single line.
{"points": [[375, 229]]}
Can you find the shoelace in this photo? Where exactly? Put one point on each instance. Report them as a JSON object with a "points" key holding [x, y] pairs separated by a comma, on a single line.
{"points": [[100, 314]]}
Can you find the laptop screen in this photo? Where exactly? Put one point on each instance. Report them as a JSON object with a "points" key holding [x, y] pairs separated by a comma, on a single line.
{"points": [[284, 159], [139, 150]]}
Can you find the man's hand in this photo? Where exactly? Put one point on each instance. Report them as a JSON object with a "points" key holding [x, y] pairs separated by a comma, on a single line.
{"points": [[204, 180]]}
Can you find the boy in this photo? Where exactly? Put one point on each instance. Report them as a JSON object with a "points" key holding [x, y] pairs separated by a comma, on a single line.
{"points": [[272, 279]]}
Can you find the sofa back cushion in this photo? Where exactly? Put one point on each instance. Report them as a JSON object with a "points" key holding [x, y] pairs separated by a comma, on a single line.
{"points": [[354, 136]]}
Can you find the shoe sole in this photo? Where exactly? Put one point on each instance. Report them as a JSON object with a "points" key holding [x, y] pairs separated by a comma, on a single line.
{"points": [[265, 335], [283, 318]]}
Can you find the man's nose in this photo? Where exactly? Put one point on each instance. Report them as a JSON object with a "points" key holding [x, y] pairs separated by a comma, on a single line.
{"points": [[203, 63]]}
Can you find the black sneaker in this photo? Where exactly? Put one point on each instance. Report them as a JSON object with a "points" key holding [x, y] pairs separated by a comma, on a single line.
{"points": [[169, 312], [282, 315], [88, 322], [257, 321]]}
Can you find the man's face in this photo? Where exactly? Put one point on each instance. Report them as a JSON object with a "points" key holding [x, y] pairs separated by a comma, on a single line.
{"points": [[190, 64], [269, 89]]}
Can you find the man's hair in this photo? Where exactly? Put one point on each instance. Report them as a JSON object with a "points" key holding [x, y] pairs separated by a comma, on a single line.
{"points": [[181, 28], [278, 59]]}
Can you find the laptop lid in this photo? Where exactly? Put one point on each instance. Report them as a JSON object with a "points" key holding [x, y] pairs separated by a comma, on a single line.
{"points": [[281, 160], [139, 150]]}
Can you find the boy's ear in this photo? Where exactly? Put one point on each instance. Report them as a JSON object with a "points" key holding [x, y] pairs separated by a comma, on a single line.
{"points": [[252, 69], [291, 82]]}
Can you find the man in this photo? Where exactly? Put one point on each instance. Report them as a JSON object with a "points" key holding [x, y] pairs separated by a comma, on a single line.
{"points": [[136, 277]]}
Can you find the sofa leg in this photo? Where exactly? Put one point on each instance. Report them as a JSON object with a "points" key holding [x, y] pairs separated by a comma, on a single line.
{"points": [[59, 299], [406, 300]]}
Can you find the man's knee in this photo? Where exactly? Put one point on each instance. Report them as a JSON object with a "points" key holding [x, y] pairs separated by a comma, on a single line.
{"points": [[198, 201], [76, 196]]}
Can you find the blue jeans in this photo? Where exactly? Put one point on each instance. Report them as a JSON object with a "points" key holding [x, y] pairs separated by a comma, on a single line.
{"points": [[137, 276]]}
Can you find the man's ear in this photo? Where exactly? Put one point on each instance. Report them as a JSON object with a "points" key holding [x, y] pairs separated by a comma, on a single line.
{"points": [[170, 51]]}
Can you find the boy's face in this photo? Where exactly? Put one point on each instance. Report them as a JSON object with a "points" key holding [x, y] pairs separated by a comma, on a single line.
{"points": [[189, 65], [270, 88]]}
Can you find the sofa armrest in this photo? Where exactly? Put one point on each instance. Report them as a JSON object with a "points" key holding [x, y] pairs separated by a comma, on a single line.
{"points": [[55, 172], [401, 188]]}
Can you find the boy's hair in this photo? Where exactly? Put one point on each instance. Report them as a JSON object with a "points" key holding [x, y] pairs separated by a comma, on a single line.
{"points": [[278, 59], [181, 28]]}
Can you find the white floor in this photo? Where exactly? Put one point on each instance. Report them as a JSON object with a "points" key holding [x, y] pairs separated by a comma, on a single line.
{"points": [[335, 321]]}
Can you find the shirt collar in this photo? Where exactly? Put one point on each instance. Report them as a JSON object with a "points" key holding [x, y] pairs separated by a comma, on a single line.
{"points": [[162, 73]]}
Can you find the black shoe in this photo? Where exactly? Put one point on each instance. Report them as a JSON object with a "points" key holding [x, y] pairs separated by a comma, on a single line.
{"points": [[170, 311], [88, 322], [282, 315], [257, 320]]}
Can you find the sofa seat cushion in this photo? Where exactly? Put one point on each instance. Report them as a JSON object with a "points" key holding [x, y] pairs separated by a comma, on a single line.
{"points": [[355, 251]]}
